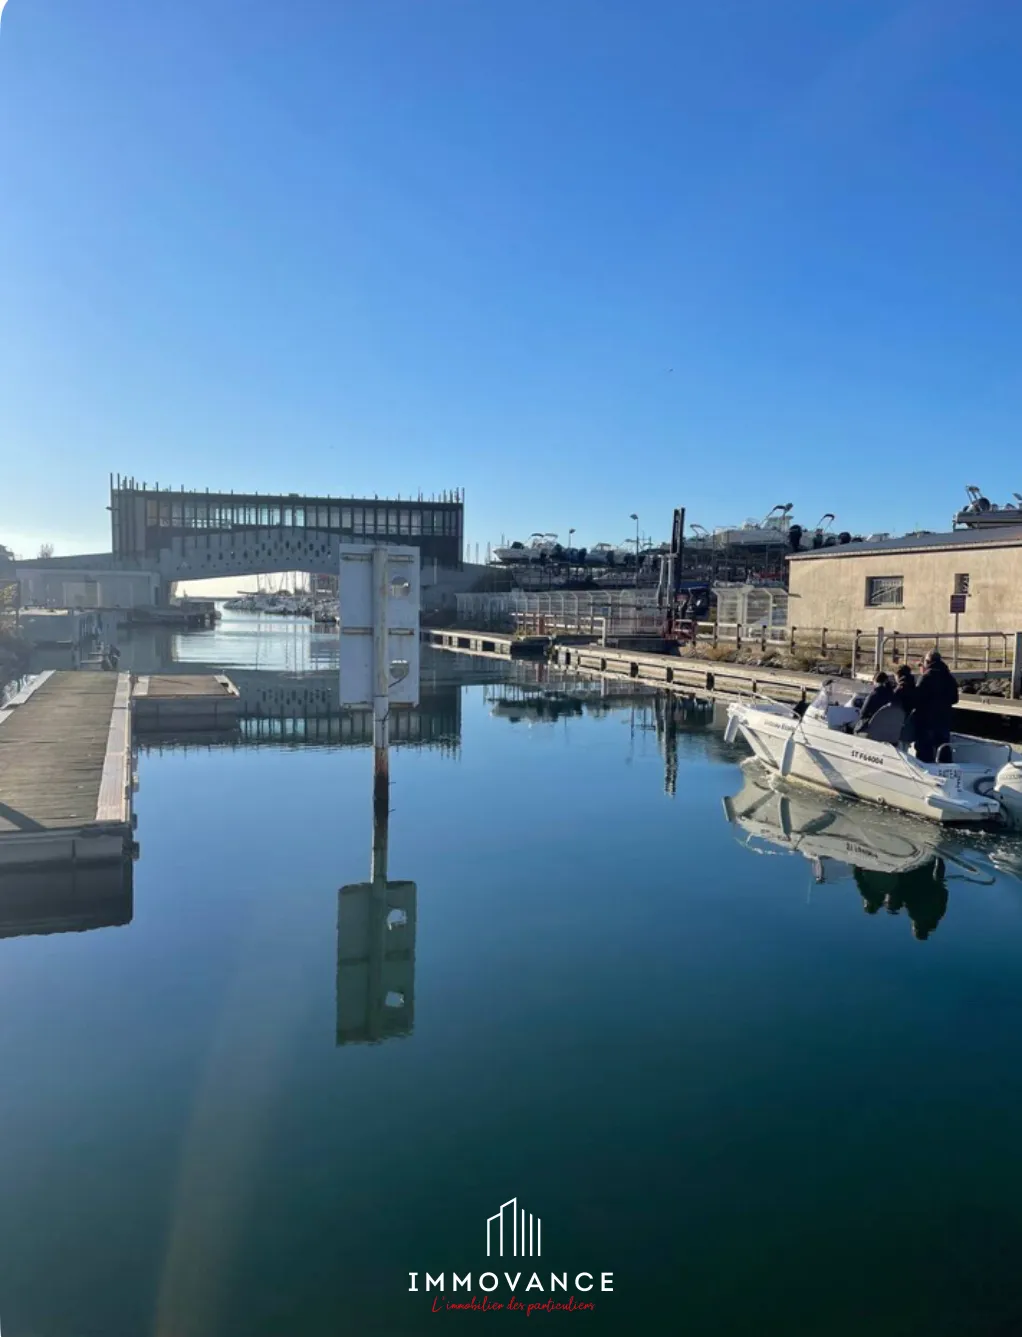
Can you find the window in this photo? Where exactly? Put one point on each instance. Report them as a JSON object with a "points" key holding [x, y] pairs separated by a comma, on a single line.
{"points": [[885, 591], [345, 521], [403, 526], [962, 583]]}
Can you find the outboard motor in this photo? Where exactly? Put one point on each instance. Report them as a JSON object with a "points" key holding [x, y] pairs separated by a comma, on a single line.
{"points": [[1008, 788]]}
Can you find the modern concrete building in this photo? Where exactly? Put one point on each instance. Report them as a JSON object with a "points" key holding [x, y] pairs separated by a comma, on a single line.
{"points": [[195, 534], [907, 583], [160, 538]]}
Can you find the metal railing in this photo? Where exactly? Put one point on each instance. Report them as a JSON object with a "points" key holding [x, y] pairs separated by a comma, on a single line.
{"points": [[609, 614], [990, 651], [993, 654], [584, 612]]}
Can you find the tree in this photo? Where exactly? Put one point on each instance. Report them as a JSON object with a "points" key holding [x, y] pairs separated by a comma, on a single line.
{"points": [[45, 551]]}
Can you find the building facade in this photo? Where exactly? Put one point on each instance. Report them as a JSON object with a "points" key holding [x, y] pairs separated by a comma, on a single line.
{"points": [[906, 584], [149, 521]]}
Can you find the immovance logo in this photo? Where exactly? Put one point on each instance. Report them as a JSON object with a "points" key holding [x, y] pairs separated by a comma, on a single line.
{"points": [[513, 1233], [522, 1244]]}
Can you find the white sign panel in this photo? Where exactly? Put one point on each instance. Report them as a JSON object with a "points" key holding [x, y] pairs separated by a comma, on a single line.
{"points": [[360, 604]]}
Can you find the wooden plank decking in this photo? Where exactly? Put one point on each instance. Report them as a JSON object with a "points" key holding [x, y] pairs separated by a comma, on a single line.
{"points": [[65, 758], [185, 700]]}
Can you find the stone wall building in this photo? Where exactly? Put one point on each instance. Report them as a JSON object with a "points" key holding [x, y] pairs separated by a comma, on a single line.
{"points": [[905, 584]]}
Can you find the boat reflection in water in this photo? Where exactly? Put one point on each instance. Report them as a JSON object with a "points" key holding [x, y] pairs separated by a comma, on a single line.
{"points": [[896, 863]]}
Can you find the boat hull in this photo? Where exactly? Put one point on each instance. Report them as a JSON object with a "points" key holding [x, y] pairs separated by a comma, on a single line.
{"points": [[851, 764]]}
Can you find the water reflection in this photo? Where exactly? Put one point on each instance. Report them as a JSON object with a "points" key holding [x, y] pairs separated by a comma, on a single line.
{"points": [[922, 893], [896, 863], [66, 898], [535, 694], [304, 711], [376, 929]]}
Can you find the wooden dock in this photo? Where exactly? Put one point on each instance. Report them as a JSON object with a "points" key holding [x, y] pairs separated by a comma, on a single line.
{"points": [[185, 701], [697, 677], [65, 770]]}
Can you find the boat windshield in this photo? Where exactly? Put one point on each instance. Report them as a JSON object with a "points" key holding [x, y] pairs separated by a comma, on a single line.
{"points": [[840, 692]]}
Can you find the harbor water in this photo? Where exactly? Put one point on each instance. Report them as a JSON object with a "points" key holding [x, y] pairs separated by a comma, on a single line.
{"points": [[748, 1052]]}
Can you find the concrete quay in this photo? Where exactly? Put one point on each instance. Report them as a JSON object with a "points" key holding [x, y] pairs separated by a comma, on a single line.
{"points": [[65, 770], [701, 677], [66, 776], [185, 701]]}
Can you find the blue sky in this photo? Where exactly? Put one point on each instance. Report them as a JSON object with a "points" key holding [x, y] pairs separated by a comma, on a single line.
{"points": [[580, 257]]}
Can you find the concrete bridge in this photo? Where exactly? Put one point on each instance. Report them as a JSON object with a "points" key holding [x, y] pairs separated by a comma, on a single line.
{"points": [[160, 537], [189, 535]]}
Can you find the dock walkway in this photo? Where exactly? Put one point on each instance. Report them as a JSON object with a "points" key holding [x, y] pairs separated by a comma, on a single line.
{"points": [[699, 677], [185, 700], [65, 769]]}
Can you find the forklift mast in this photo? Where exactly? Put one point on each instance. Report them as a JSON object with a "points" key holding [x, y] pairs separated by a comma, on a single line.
{"points": [[677, 549], [670, 594]]}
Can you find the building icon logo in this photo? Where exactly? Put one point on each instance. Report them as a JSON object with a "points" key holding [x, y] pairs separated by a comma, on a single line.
{"points": [[513, 1231]]}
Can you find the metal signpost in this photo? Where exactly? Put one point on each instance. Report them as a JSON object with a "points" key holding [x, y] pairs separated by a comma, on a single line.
{"points": [[379, 602], [957, 607]]}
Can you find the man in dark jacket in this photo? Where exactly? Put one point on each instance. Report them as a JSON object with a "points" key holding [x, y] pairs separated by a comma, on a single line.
{"points": [[881, 695], [905, 697], [936, 697]]}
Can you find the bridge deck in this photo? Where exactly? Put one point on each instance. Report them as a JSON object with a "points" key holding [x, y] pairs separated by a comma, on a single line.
{"points": [[65, 750]]}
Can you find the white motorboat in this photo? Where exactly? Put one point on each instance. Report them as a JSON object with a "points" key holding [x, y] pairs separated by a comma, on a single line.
{"points": [[982, 513], [601, 554], [540, 547], [982, 782]]}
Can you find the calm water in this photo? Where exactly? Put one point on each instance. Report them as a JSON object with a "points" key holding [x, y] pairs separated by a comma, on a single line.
{"points": [[758, 1060]]}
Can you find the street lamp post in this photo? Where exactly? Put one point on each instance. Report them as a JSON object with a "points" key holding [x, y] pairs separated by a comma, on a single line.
{"points": [[636, 519], [570, 534]]}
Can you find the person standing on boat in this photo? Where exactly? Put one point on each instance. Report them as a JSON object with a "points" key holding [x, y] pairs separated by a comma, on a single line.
{"points": [[936, 697], [881, 695], [905, 697]]}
